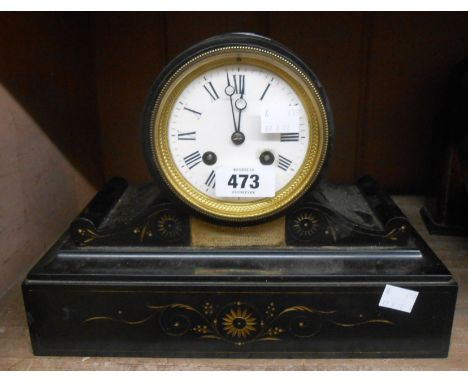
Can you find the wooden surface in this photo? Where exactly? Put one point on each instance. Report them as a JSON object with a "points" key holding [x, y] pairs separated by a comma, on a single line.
{"points": [[406, 84], [15, 349], [129, 53]]}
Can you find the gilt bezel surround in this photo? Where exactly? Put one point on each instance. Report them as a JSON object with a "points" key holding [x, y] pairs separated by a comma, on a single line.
{"points": [[320, 127]]}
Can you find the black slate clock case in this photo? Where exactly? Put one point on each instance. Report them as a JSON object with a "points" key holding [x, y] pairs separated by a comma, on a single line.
{"points": [[124, 280]]}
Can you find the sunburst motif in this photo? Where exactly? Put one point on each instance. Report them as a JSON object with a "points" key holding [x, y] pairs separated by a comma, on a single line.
{"points": [[239, 323], [306, 224], [168, 226]]}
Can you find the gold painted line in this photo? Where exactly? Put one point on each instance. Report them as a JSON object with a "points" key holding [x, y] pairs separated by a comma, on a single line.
{"points": [[360, 323], [302, 308], [106, 318]]}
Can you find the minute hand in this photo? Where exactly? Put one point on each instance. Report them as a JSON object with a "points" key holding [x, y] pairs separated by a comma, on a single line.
{"points": [[229, 92]]}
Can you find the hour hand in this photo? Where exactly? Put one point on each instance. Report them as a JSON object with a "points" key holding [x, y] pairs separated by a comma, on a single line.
{"points": [[241, 103]]}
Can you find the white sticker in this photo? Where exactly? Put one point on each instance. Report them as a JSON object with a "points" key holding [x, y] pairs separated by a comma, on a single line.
{"points": [[398, 298], [245, 182], [278, 119]]}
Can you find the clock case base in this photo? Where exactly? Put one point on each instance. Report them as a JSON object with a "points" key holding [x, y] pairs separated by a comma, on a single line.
{"points": [[124, 281]]}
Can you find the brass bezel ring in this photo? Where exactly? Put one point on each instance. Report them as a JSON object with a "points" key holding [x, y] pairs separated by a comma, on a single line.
{"points": [[256, 209]]}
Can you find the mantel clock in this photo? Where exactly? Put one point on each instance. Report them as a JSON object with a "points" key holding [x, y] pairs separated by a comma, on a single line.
{"points": [[238, 130]]}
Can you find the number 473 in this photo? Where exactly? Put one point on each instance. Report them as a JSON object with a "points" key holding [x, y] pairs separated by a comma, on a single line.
{"points": [[240, 180]]}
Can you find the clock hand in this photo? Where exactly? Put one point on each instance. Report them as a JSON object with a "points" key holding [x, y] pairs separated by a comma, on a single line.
{"points": [[229, 92], [241, 104], [237, 137]]}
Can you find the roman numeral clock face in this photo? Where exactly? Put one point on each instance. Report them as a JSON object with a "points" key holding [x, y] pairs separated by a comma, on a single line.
{"points": [[217, 122], [237, 134]]}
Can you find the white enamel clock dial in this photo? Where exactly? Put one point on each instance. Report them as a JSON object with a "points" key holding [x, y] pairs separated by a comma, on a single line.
{"points": [[216, 122]]}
